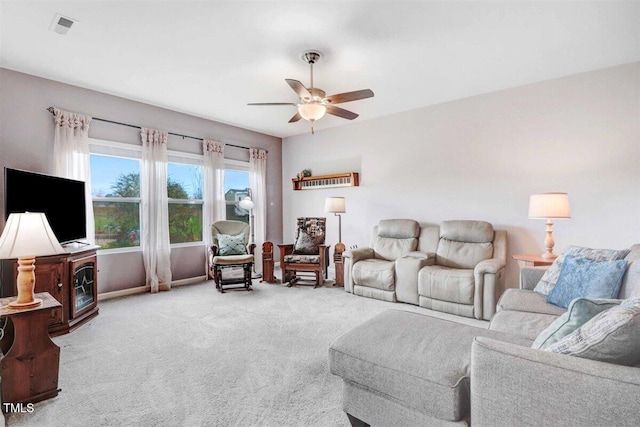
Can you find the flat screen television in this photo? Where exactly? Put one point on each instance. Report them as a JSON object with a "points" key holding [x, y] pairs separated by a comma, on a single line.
{"points": [[62, 201]]}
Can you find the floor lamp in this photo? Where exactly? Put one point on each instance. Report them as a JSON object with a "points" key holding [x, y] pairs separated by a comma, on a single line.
{"points": [[247, 203], [548, 206], [336, 205]]}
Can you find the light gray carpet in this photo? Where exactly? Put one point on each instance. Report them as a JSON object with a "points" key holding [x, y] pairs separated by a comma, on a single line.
{"points": [[195, 357]]}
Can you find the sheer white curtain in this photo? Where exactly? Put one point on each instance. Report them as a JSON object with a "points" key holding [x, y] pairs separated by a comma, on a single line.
{"points": [[71, 156], [257, 183], [213, 174], [155, 243]]}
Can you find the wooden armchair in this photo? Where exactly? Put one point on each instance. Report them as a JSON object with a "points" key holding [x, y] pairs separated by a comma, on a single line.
{"points": [[308, 253]]}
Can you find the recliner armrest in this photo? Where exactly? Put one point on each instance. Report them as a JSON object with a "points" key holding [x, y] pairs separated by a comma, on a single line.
{"points": [[491, 266], [358, 254]]}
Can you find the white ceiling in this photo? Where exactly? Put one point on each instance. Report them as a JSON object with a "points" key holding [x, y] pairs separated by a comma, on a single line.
{"points": [[210, 59]]}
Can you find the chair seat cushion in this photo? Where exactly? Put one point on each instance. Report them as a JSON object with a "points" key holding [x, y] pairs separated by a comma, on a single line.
{"points": [[416, 360], [302, 259], [232, 259], [374, 273], [447, 284]]}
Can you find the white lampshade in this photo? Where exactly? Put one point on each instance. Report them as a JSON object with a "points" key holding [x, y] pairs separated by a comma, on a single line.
{"points": [[334, 204], [312, 112], [28, 235], [549, 205], [246, 203]]}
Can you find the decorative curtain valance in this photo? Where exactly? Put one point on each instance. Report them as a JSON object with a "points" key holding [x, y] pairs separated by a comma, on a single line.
{"points": [[156, 247], [71, 156]]}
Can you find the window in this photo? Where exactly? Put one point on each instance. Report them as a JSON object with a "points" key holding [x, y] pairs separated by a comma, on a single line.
{"points": [[236, 186], [184, 188], [115, 186]]}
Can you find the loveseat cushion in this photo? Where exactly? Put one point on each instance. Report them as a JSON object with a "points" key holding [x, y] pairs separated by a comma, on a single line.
{"points": [[416, 360], [395, 238], [446, 284], [462, 254], [467, 231], [524, 324], [529, 301], [631, 280], [374, 273]]}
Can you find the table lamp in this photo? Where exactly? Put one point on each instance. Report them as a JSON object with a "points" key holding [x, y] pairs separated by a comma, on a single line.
{"points": [[549, 206], [26, 236], [336, 206]]}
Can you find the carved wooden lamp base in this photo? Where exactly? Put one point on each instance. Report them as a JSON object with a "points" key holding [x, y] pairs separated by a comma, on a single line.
{"points": [[26, 283]]}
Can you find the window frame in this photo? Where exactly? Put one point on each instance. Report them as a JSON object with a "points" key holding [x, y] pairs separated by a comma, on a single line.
{"points": [[102, 147], [189, 159], [238, 165]]}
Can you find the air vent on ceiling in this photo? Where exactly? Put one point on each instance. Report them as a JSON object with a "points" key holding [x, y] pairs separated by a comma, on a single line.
{"points": [[61, 24]]}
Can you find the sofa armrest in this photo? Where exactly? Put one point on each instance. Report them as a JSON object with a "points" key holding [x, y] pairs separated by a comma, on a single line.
{"points": [[489, 281], [429, 256], [491, 266], [407, 269], [530, 276], [349, 258], [358, 254], [516, 385]]}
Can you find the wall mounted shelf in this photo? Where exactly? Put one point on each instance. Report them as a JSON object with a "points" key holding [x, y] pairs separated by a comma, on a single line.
{"points": [[347, 179]]}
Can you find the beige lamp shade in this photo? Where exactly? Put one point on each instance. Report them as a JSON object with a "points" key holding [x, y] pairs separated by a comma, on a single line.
{"points": [[334, 205], [549, 205], [28, 235]]}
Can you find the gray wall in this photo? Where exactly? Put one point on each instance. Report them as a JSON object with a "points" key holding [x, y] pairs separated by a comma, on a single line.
{"points": [[26, 142], [482, 157]]}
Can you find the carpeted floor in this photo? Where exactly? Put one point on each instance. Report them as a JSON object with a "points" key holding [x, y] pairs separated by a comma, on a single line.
{"points": [[195, 357]]}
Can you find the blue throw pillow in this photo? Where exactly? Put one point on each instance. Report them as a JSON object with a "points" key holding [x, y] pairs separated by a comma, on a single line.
{"points": [[584, 278]]}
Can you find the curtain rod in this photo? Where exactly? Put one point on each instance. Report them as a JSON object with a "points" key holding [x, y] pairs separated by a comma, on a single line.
{"points": [[50, 109]]}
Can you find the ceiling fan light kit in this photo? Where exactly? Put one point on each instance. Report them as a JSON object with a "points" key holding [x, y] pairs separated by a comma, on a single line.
{"points": [[314, 103]]}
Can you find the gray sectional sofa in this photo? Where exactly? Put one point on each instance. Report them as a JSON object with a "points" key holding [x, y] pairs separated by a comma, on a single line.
{"points": [[410, 369]]}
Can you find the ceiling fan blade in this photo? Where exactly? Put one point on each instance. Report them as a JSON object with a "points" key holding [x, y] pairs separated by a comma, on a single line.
{"points": [[295, 118], [349, 96], [299, 88], [272, 103], [341, 112]]}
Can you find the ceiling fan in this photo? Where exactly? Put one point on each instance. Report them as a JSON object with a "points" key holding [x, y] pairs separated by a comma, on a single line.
{"points": [[313, 101]]}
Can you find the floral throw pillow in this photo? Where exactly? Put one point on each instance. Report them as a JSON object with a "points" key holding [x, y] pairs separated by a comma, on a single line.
{"points": [[550, 277], [581, 277], [231, 245], [306, 244]]}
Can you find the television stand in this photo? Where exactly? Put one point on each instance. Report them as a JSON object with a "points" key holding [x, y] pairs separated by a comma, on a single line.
{"points": [[70, 277], [75, 244]]}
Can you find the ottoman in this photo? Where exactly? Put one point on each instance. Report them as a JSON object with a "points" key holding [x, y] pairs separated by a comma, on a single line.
{"points": [[405, 368]]}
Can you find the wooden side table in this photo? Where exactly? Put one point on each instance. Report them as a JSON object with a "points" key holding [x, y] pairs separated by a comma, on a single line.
{"points": [[31, 363], [532, 261], [338, 262]]}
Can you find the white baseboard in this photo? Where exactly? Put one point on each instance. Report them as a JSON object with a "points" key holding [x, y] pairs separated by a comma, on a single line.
{"points": [[143, 289]]}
